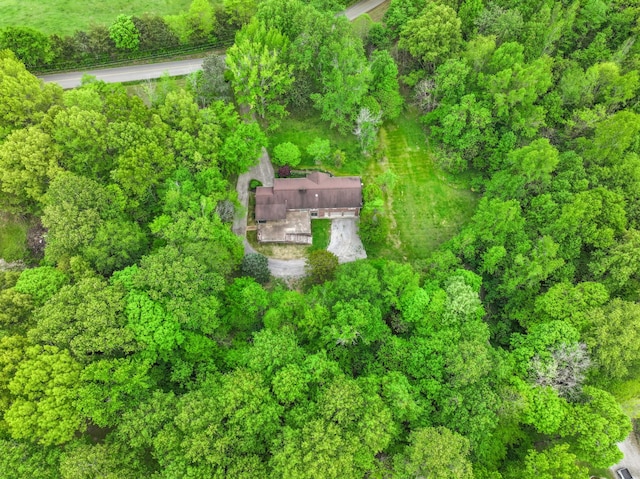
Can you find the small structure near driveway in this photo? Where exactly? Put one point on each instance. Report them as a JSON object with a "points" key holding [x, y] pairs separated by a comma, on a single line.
{"points": [[285, 210]]}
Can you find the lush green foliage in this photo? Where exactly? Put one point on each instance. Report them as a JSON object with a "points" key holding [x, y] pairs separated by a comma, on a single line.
{"points": [[286, 154], [124, 33], [146, 346]]}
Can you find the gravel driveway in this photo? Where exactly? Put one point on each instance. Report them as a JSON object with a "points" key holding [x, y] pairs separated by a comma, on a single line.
{"points": [[631, 461], [281, 268], [262, 172], [345, 242]]}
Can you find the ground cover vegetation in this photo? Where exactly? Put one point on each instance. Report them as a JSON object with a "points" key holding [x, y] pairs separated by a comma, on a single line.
{"points": [[144, 343], [64, 17]]}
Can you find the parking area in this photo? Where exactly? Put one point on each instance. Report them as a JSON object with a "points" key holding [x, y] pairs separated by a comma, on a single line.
{"points": [[345, 242]]}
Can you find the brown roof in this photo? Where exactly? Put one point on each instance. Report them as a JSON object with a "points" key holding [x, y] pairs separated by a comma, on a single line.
{"points": [[317, 190]]}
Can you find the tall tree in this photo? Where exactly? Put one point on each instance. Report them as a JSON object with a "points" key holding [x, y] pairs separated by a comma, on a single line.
{"points": [[434, 452], [261, 76], [345, 81], [432, 36], [44, 397], [24, 99], [29, 160]]}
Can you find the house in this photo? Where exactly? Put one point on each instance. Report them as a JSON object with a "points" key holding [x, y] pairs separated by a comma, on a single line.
{"points": [[284, 211]]}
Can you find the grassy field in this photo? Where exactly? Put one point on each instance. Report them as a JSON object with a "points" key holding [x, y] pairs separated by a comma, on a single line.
{"points": [[67, 16], [428, 206], [13, 238]]}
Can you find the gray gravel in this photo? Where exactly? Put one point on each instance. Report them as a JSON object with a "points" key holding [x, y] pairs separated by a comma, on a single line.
{"points": [[345, 242], [631, 461], [281, 268]]}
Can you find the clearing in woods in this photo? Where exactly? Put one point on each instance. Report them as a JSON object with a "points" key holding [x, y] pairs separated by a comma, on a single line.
{"points": [[428, 205]]}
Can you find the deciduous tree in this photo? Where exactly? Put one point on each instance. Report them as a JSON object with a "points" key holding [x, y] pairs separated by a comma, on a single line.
{"points": [[261, 75]]}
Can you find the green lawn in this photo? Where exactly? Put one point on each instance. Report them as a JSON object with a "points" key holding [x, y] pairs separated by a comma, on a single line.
{"points": [[13, 238], [66, 16], [321, 233], [428, 205], [302, 127]]}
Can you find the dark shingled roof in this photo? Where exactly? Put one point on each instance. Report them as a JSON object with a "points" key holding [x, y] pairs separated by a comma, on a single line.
{"points": [[316, 191]]}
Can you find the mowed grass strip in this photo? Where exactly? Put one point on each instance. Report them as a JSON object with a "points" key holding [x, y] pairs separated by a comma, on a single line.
{"points": [[66, 16], [321, 234], [428, 206], [13, 238]]}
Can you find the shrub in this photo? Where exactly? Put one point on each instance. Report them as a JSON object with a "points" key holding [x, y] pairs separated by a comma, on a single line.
{"points": [[256, 266], [30, 46], [284, 172], [286, 154], [253, 184], [124, 33], [319, 150], [155, 34], [321, 266]]}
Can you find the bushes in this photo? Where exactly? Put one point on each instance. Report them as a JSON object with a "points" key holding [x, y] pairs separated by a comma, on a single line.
{"points": [[286, 154], [154, 31], [320, 150], [374, 224], [321, 266], [126, 38], [256, 266], [30, 46], [124, 33]]}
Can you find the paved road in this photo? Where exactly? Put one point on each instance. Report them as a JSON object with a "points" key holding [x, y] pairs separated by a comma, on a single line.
{"points": [[128, 73], [156, 70]]}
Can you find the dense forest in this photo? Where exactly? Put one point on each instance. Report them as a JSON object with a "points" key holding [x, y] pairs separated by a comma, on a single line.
{"points": [[141, 342]]}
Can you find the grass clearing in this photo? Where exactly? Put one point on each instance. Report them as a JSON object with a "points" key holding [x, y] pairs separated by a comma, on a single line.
{"points": [[13, 238], [428, 206], [303, 126], [66, 16], [321, 233]]}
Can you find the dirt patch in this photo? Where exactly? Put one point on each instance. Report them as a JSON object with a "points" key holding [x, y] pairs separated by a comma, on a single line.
{"points": [[276, 250], [35, 240]]}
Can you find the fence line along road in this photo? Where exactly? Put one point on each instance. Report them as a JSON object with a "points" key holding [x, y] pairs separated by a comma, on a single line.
{"points": [[175, 68]]}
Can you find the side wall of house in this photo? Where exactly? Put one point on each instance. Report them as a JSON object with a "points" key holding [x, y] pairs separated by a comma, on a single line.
{"points": [[333, 212]]}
